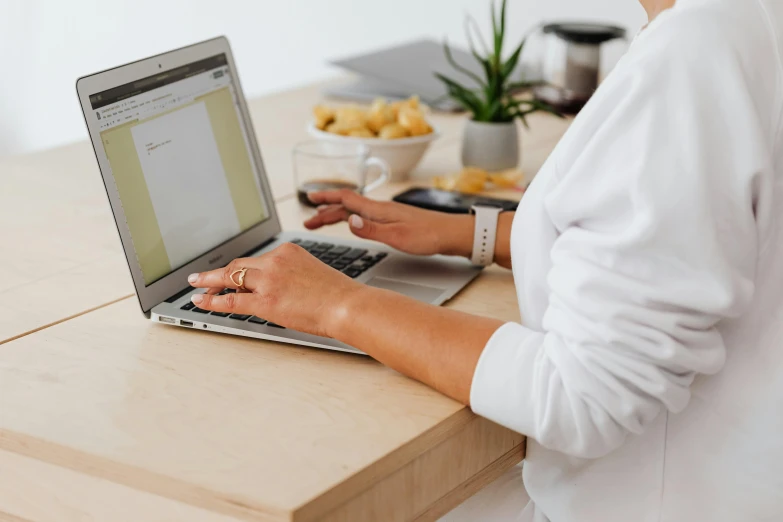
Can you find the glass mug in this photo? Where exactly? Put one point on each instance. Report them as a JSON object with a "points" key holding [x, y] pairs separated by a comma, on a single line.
{"points": [[321, 165]]}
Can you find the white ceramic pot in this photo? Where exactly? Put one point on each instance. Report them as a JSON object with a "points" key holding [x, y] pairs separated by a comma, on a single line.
{"points": [[490, 146]]}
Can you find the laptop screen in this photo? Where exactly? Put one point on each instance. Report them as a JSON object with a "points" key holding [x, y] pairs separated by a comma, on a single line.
{"points": [[181, 162]]}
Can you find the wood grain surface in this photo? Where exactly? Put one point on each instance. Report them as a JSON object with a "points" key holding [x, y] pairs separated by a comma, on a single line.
{"points": [[107, 416]]}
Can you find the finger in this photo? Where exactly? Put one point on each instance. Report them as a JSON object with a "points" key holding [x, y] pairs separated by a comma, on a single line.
{"points": [[221, 277], [329, 208], [233, 303], [215, 291], [353, 202], [368, 229], [326, 197], [336, 214]]}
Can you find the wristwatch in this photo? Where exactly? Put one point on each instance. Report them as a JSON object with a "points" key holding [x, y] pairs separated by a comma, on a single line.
{"points": [[484, 234]]}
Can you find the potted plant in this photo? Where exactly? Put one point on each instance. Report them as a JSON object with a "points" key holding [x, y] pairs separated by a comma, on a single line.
{"points": [[491, 140]]}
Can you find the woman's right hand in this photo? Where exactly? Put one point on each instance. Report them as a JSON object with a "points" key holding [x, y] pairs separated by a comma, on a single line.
{"points": [[406, 228]]}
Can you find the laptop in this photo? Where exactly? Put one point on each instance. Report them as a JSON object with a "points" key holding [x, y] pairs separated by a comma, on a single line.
{"points": [[405, 69], [409, 68], [172, 135]]}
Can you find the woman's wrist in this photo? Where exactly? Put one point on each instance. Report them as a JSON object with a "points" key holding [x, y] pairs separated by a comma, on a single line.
{"points": [[346, 311], [455, 235]]}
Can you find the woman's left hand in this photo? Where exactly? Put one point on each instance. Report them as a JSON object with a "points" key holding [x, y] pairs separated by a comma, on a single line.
{"points": [[287, 286]]}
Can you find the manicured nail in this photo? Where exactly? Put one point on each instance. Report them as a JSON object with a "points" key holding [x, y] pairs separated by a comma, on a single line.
{"points": [[356, 222], [197, 299], [192, 278]]}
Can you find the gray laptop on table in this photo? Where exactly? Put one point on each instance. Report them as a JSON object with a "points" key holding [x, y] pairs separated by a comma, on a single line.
{"points": [[405, 70], [188, 190]]}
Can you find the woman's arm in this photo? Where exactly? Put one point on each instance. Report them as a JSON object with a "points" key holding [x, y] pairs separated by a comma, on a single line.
{"points": [[434, 345], [407, 228], [437, 346], [503, 241]]}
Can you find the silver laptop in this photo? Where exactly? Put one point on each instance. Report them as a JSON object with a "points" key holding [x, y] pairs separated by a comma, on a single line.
{"points": [[172, 134], [403, 70]]}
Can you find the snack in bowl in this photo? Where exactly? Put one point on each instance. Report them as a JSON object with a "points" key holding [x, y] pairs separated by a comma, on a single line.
{"points": [[413, 121], [323, 116], [398, 132], [392, 131], [380, 115], [388, 121]]}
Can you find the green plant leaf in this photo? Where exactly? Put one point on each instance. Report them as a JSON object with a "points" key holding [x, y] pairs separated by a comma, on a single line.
{"points": [[503, 18], [522, 86], [463, 95], [516, 114], [472, 24], [511, 63], [487, 67], [522, 108], [493, 110], [463, 70], [510, 109], [497, 37], [495, 28], [517, 103], [483, 61], [490, 93], [535, 105], [493, 101]]}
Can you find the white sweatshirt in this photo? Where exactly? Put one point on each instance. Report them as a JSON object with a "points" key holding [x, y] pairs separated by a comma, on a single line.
{"points": [[648, 258]]}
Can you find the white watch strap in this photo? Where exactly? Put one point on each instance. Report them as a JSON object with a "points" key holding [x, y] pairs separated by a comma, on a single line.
{"points": [[484, 235]]}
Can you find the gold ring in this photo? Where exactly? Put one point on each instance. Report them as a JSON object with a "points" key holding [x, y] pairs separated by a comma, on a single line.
{"points": [[241, 284]]}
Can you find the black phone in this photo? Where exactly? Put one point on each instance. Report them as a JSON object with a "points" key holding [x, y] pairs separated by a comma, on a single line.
{"points": [[450, 201]]}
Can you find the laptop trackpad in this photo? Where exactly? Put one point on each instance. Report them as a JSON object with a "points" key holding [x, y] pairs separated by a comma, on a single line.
{"points": [[423, 293]]}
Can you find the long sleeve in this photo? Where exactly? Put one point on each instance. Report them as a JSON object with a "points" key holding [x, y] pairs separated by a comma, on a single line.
{"points": [[653, 202]]}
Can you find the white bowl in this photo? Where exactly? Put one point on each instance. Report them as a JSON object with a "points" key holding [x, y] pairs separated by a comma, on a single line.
{"points": [[402, 154]]}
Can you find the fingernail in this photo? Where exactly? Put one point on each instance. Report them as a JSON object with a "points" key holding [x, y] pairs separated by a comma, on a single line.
{"points": [[192, 278], [197, 299], [321, 207], [311, 194], [356, 222]]}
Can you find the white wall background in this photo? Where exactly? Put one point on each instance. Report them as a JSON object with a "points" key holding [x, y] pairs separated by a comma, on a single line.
{"points": [[46, 44]]}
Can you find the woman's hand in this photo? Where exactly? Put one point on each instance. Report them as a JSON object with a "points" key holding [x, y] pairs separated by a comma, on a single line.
{"points": [[406, 228], [287, 286], [290, 287]]}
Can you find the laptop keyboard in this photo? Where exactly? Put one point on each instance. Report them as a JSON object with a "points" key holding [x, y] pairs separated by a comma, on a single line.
{"points": [[352, 262]]}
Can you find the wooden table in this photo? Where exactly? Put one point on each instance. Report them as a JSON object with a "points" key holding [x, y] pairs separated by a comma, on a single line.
{"points": [[106, 416]]}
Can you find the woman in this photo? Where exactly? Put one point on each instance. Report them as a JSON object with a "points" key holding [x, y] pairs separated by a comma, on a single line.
{"points": [[646, 256]]}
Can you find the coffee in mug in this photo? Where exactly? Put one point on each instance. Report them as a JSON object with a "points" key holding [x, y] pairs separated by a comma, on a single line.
{"points": [[320, 185], [326, 165]]}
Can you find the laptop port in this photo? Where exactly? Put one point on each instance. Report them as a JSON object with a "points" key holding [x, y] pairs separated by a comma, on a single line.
{"points": [[167, 320], [189, 324]]}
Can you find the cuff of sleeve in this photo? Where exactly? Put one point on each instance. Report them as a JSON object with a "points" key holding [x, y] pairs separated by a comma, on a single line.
{"points": [[503, 383]]}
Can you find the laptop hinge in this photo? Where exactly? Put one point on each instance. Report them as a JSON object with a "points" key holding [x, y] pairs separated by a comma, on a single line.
{"points": [[179, 294], [185, 291], [189, 289], [259, 247]]}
